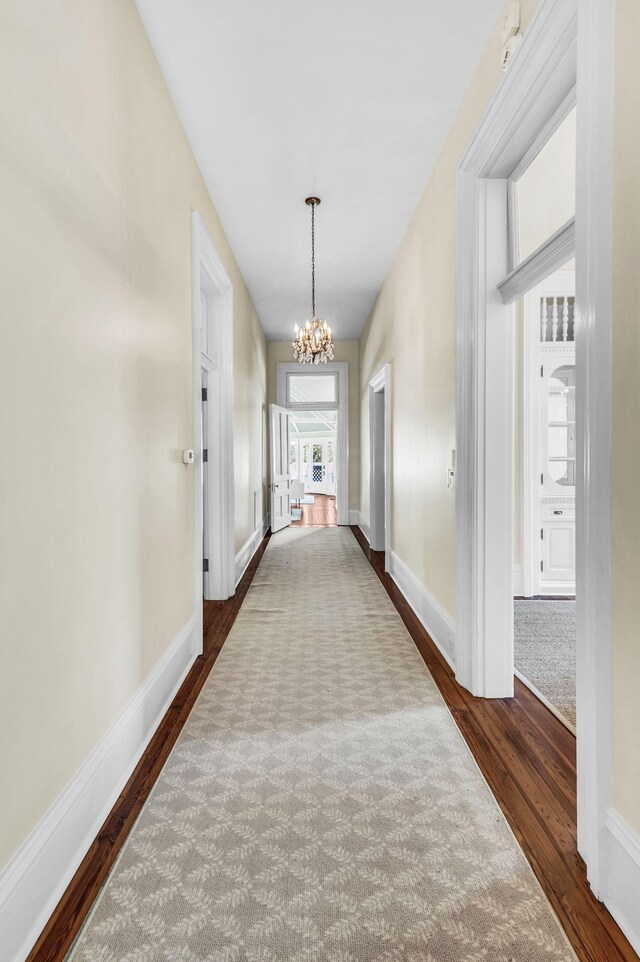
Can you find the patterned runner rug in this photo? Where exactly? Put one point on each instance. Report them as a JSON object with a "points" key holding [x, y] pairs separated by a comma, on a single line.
{"points": [[320, 804]]}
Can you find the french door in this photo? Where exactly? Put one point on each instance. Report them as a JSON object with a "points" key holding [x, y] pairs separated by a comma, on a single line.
{"points": [[319, 466]]}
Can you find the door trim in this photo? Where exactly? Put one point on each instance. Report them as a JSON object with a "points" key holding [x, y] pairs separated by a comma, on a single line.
{"points": [[525, 98], [208, 274], [341, 368], [381, 382]]}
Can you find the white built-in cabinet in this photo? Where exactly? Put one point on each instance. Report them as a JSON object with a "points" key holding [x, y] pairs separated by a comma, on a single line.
{"points": [[549, 438]]}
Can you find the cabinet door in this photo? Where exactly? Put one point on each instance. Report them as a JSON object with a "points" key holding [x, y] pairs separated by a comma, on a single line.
{"points": [[558, 552]]}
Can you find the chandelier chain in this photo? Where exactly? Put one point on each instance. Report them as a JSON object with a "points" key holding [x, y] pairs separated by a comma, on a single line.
{"points": [[313, 343], [313, 260]]}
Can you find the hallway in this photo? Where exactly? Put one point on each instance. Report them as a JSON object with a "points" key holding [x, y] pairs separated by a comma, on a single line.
{"points": [[320, 802]]}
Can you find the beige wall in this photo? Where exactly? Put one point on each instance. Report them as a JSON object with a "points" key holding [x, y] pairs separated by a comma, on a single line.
{"points": [[413, 326], [625, 458], [97, 184], [278, 351]]}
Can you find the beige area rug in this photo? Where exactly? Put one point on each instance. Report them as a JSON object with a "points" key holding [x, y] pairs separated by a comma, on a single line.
{"points": [[320, 804]]}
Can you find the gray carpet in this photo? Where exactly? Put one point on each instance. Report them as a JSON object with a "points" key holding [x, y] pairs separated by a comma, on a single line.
{"points": [[545, 651], [320, 804]]}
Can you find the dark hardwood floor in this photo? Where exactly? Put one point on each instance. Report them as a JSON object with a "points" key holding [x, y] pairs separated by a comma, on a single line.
{"points": [[71, 911], [524, 752], [322, 513], [528, 758]]}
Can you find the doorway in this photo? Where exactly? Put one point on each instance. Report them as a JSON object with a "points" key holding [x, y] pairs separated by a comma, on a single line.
{"points": [[317, 401], [545, 494], [553, 55], [380, 462]]}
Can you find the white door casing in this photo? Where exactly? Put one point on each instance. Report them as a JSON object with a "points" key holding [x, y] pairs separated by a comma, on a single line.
{"points": [[279, 434], [380, 462], [563, 36], [212, 326]]}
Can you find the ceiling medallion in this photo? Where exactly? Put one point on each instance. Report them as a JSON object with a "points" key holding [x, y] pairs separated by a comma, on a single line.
{"points": [[313, 343]]}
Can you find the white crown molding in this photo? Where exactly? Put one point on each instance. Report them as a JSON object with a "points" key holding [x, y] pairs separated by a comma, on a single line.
{"points": [[249, 548], [32, 883], [438, 622]]}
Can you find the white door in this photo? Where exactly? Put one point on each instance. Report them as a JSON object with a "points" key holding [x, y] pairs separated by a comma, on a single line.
{"points": [[331, 467], [280, 423]]}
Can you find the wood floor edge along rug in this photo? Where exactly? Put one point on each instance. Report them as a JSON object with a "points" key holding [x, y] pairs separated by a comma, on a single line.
{"points": [[320, 802]]}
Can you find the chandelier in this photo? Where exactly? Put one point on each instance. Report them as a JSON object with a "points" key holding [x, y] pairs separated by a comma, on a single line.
{"points": [[312, 342]]}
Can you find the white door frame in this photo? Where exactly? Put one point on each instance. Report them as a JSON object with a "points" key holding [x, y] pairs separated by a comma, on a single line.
{"points": [[380, 428], [341, 369], [553, 52], [215, 333]]}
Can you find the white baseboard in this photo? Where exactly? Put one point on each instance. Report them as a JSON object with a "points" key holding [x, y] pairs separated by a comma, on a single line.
{"points": [[518, 580], [354, 516], [436, 620], [250, 547], [622, 877], [364, 526], [33, 881]]}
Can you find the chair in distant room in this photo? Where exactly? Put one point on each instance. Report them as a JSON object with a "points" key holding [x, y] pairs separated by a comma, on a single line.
{"points": [[296, 491]]}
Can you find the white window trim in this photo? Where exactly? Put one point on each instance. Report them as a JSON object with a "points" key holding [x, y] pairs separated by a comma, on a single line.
{"points": [[315, 371]]}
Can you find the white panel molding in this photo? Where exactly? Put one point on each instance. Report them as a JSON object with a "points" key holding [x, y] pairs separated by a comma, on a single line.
{"points": [[249, 548], [34, 880], [437, 621], [622, 896]]}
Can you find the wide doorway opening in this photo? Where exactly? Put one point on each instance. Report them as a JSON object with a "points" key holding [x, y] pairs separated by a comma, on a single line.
{"points": [[313, 409], [313, 456]]}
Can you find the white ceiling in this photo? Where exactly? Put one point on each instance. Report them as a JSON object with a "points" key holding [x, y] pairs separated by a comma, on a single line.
{"points": [[347, 99]]}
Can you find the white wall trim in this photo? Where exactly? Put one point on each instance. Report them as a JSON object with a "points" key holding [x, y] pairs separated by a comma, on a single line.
{"points": [[249, 548], [622, 896], [208, 276], [34, 880], [437, 621], [354, 516], [341, 368]]}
